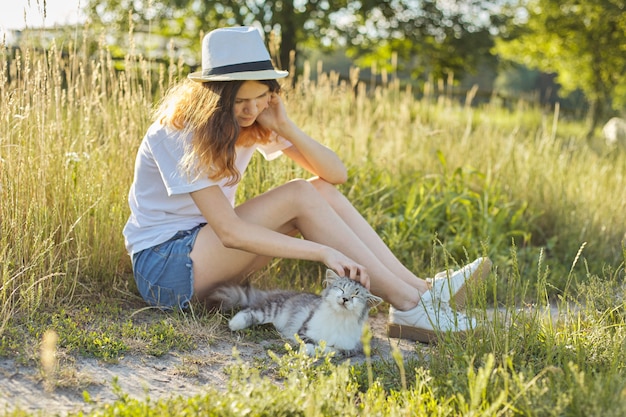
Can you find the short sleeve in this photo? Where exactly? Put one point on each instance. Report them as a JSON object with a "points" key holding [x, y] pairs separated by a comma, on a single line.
{"points": [[274, 148], [168, 151]]}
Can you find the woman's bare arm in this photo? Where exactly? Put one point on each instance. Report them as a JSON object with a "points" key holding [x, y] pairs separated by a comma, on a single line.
{"points": [[306, 151], [236, 233]]}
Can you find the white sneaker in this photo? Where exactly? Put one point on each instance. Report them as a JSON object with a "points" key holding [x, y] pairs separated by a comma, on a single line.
{"points": [[451, 286], [425, 322]]}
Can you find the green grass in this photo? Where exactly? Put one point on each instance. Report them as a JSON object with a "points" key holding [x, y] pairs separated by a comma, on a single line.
{"points": [[441, 182]]}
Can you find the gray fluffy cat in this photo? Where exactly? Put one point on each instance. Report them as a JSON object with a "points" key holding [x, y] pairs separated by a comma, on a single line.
{"points": [[336, 316]]}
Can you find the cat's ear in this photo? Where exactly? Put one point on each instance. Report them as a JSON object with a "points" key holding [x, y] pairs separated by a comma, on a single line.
{"points": [[330, 274], [373, 301]]}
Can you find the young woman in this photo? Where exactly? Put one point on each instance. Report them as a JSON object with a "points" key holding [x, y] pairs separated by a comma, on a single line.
{"points": [[185, 235]]}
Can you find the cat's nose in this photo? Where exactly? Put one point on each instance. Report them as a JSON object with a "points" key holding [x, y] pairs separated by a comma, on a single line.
{"points": [[344, 300]]}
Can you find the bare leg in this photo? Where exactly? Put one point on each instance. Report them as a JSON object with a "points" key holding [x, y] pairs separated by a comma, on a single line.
{"points": [[367, 234], [299, 206]]}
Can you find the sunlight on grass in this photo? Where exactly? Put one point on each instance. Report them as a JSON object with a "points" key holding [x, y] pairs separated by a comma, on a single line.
{"points": [[442, 182]]}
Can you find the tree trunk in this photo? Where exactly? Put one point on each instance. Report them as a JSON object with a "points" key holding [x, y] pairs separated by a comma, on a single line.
{"points": [[288, 41], [592, 118]]}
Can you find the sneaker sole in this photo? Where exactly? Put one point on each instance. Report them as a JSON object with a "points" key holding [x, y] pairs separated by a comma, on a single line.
{"points": [[415, 334], [460, 298]]}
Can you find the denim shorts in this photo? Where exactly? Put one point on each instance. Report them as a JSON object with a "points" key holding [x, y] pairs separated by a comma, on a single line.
{"points": [[164, 273]]}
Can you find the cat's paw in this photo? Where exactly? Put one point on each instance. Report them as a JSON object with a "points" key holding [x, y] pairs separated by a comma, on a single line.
{"points": [[239, 321], [313, 349], [310, 349]]}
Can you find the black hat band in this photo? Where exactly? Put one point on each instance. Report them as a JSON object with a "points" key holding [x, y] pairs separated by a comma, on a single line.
{"points": [[243, 67]]}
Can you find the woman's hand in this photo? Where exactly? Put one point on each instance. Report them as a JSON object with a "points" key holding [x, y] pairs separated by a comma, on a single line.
{"points": [[346, 267], [274, 117], [306, 151]]}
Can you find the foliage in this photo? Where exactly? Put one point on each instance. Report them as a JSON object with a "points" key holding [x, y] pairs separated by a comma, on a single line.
{"points": [[531, 361], [425, 182], [441, 181], [103, 331], [582, 41], [285, 23], [429, 39], [445, 37], [458, 205]]}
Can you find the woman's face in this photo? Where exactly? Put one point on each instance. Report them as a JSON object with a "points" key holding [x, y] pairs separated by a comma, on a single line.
{"points": [[252, 98]]}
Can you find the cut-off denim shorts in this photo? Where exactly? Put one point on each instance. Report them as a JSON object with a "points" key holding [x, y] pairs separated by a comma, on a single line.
{"points": [[164, 272]]}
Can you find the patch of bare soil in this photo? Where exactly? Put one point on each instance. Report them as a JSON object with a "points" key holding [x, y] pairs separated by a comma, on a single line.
{"points": [[140, 377]]}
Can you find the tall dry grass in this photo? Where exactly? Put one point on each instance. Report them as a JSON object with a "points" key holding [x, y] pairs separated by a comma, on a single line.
{"points": [[440, 180], [70, 125]]}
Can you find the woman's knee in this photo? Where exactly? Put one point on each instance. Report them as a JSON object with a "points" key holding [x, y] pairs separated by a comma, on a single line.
{"points": [[305, 195], [327, 190], [303, 189]]}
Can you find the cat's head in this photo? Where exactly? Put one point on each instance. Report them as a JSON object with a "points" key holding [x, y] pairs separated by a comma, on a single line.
{"points": [[350, 289]]}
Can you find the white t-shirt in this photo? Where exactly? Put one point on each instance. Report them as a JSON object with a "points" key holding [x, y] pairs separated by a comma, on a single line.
{"points": [[159, 198]]}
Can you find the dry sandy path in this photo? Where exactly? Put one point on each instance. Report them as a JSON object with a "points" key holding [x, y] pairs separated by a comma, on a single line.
{"points": [[147, 376]]}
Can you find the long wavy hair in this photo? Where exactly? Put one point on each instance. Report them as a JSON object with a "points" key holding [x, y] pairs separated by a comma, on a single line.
{"points": [[206, 111]]}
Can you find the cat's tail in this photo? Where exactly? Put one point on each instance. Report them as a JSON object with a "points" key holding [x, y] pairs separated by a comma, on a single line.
{"points": [[236, 296]]}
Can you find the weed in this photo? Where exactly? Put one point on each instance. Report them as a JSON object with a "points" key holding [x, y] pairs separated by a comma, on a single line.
{"points": [[442, 183]]}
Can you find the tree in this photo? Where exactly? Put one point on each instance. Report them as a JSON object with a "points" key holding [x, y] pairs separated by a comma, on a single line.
{"points": [[292, 23], [444, 36], [582, 41], [432, 38]]}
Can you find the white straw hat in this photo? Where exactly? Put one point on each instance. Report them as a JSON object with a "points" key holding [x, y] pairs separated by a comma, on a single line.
{"points": [[235, 53]]}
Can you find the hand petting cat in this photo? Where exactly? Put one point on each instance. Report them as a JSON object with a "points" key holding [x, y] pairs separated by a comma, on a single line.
{"points": [[346, 267]]}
